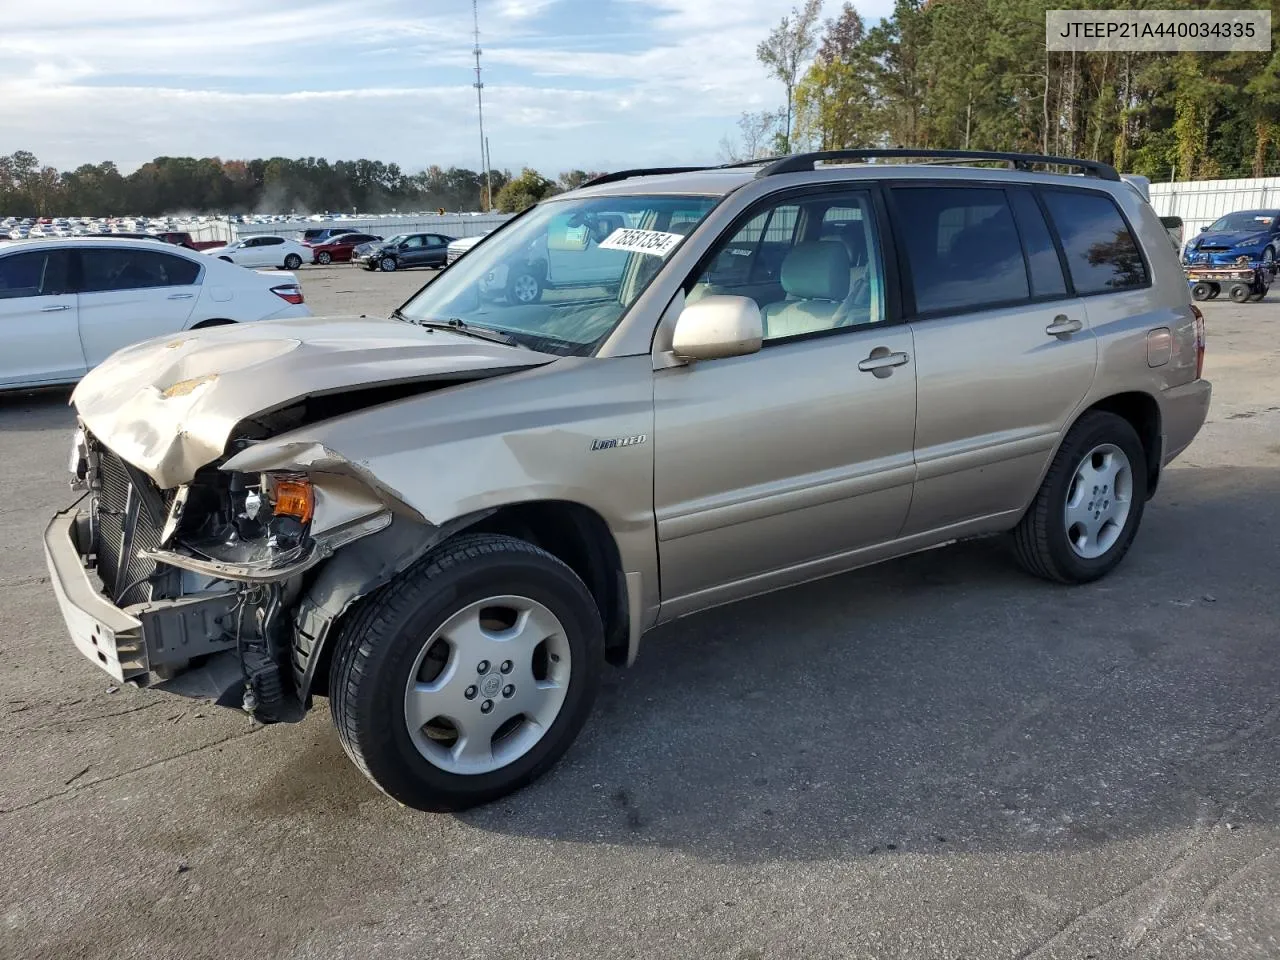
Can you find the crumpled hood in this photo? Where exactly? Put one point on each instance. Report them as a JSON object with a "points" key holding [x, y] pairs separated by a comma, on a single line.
{"points": [[168, 405]]}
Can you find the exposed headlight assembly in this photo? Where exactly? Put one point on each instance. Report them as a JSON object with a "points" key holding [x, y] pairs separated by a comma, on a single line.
{"points": [[263, 527]]}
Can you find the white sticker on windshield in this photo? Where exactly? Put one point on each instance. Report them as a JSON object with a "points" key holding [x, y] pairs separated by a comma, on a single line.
{"points": [[653, 242]]}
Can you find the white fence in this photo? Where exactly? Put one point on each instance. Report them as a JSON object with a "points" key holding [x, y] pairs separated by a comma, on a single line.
{"points": [[453, 225], [1200, 202]]}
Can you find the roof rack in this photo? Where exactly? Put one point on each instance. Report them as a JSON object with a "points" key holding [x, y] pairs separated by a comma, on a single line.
{"points": [[1015, 161], [638, 172], [654, 171]]}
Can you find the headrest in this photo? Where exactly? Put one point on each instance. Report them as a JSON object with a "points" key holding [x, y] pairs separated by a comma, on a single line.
{"points": [[817, 270]]}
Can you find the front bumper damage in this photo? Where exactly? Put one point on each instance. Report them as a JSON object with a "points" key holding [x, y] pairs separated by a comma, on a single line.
{"points": [[149, 641]]}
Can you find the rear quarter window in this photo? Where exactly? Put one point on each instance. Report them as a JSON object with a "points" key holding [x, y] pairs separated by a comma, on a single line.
{"points": [[1101, 252]]}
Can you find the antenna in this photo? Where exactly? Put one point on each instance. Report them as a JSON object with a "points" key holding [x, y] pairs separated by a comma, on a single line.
{"points": [[484, 143]]}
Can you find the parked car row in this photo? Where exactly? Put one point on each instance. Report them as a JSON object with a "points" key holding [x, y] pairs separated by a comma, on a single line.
{"points": [[67, 304]]}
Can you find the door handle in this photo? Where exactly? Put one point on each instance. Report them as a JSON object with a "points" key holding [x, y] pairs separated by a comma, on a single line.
{"points": [[55, 308], [179, 296], [882, 361], [1062, 326]]}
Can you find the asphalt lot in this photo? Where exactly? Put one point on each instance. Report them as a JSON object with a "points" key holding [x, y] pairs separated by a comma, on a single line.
{"points": [[935, 758]]}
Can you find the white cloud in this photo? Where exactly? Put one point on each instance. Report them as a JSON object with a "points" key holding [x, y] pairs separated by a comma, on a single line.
{"points": [[133, 79]]}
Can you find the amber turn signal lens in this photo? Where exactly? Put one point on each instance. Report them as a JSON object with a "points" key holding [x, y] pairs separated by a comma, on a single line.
{"points": [[294, 498]]}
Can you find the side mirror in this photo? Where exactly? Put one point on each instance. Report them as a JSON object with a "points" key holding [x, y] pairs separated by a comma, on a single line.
{"points": [[717, 327], [1204, 229]]}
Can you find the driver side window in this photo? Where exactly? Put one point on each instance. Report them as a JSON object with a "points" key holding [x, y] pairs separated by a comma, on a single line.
{"points": [[811, 265]]}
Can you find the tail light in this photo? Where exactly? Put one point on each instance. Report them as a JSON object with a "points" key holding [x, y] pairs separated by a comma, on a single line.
{"points": [[289, 292], [1199, 328]]}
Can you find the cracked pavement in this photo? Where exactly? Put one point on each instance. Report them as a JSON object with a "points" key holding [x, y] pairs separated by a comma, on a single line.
{"points": [[934, 758]]}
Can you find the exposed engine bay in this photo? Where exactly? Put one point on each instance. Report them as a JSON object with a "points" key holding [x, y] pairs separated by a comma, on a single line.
{"points": [[216, 566]]}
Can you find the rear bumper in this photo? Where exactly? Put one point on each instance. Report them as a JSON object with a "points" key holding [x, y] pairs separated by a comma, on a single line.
{"points": [[131, 643], [1183, 410]]}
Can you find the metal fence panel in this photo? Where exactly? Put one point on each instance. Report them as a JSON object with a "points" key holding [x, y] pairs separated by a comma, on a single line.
{"points": [[1201, 202], [453, 225]]}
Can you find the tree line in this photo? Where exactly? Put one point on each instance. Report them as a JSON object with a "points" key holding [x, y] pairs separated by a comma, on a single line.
{"points": [[975, 74], [278, 185]]}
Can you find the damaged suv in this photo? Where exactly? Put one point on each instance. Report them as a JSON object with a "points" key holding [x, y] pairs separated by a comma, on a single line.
{"points": [[447, 522]]}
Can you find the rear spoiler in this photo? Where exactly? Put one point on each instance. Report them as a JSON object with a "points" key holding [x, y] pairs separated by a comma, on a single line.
{"points": [[1139, 183]]}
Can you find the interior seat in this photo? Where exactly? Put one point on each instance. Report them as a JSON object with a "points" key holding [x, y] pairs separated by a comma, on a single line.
{"points": [[815, 278]]}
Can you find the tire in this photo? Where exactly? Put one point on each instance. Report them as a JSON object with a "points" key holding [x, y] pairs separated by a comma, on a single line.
{"points": [[388, 264], [524, 286], [380, 648], [1201, 291], [292, 262], [1239, 292], [324, 258], [1214, 290], [1043, 540]]}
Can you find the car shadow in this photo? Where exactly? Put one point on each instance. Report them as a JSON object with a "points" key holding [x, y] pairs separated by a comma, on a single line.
{"points": [[947, 701], [33, 410]]}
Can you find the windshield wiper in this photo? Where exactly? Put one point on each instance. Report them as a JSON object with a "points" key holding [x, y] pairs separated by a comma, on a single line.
{"points": [[397, 314], [458, 326]]}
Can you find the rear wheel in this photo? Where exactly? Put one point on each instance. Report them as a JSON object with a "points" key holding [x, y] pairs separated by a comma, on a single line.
{"points": [[292, 262], [1087, 511], [1239, 292], [1201, 291], [468, 677]]}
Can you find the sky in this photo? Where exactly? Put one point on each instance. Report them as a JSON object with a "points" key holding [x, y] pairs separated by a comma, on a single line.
{"points": [[585, 84]]}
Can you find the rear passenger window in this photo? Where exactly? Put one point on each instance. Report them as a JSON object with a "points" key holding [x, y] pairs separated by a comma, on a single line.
{"points": [[1101, 252], [105, 269], [962, 247], [1042, 256]]}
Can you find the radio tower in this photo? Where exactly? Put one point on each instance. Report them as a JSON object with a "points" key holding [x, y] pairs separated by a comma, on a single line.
{"points": [[479, 85]]}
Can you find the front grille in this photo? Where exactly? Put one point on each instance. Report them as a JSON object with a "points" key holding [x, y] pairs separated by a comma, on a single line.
{"points": [[129, 514]]}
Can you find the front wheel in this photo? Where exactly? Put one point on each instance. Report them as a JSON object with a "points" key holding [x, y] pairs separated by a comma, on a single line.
{"points": [[1201, 291], [1086, 513], [1239, 292], [388, 264], [470, 675], [292, 262], [324, 258], [524, 286]]}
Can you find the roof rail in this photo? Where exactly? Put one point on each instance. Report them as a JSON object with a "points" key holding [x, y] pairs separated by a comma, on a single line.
{"points": [[1015, 161], [638, 172]]}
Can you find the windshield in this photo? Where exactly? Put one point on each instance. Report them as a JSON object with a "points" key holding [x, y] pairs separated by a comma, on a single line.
{"points": [[397, 239], [561, 277], [1252, 220]]}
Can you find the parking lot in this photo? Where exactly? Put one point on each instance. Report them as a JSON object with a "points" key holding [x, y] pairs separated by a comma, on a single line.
{"points": [[935, 758]]}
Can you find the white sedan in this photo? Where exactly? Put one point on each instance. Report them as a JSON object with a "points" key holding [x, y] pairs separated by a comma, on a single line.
{"points": [[66, 305], [264, 252]]}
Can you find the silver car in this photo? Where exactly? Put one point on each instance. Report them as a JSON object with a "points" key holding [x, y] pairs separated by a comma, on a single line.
{"points": [[450, 521]]}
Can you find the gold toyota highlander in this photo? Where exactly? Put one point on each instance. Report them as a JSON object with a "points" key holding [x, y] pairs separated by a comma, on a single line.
{"points": [[667, 390]]}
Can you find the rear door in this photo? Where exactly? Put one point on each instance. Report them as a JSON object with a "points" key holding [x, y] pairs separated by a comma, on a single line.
{"points": [[127, 295], [434, 250], [38, 319], [1004, 351]]}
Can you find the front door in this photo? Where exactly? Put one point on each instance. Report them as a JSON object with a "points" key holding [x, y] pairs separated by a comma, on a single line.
{"points": [[1004, 350], [780, 466], [38, 319]]}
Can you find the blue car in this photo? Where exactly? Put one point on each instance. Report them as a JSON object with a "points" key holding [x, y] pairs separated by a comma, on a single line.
{"points": [[1254, 234]]}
